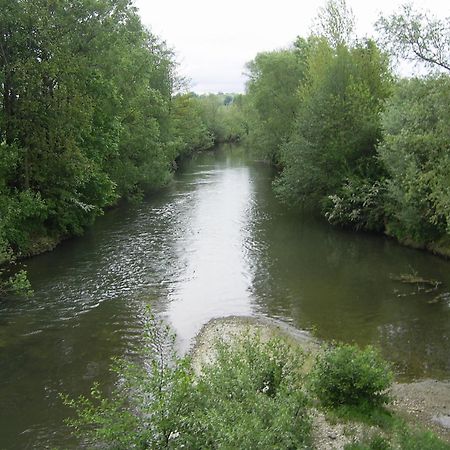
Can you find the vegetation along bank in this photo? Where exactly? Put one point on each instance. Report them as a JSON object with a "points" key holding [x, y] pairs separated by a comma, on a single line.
{"points": [[366, 147], [258, 383], [93, 111]]}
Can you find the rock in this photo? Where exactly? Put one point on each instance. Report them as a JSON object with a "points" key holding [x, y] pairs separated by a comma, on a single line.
{"points": [[442, 420]]}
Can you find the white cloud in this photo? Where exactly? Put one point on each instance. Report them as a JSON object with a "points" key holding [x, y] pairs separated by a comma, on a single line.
{"points": [[213, 40]]}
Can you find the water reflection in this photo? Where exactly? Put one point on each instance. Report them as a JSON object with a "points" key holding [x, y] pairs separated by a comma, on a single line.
{"points": [[216, 279]]}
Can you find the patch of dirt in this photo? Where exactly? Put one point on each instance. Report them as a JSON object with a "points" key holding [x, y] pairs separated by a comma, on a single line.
{"points": [[335, 436], [426, 403]]}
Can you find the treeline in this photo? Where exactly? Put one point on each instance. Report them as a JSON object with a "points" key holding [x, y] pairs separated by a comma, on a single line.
{"points": [[91, 111], [223, 115], [369, 149]]}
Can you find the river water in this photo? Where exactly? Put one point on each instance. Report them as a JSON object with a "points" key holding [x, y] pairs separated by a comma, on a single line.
{"points": [[217, 242]]}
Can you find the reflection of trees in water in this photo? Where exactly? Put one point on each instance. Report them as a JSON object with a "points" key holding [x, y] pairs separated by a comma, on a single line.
{"points": [[338, 282]]}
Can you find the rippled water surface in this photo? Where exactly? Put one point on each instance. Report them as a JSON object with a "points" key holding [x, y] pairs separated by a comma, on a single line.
{"points": [[216, 243]]}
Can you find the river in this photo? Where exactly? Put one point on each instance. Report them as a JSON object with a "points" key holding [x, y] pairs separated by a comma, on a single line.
{"points": [[217, 242]]}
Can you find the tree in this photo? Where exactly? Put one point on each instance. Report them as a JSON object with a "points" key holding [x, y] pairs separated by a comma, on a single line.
{"points": [[337, 126], [417, 36], [211, 107], [189, 129], [222, 116], [274, 78], [415, 153], [335, 22], [86, 116]]}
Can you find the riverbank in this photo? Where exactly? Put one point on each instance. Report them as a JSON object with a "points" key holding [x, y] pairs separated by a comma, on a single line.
{"points": [[423, 404], [439, 248], [216, 243], [45, 243]]}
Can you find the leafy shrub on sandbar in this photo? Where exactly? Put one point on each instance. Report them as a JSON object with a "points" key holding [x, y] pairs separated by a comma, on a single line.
{"points": [[250, 397], [346, 375]]}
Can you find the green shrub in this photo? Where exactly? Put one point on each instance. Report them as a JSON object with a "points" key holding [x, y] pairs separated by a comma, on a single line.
{"points": [[250, 397], [346, 375], [358, 204], [150, 404], [11, 282]]}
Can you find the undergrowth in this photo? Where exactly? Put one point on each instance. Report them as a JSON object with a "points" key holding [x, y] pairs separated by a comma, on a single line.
{"points": [[254, 394]]}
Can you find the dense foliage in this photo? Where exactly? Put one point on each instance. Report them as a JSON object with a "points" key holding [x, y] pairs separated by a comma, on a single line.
{"points": [[91, 111], [368, 150], [416, 154], [245, 393], [273, 80], [345, 375], [250, 397], [337, 126], [223, 116]]}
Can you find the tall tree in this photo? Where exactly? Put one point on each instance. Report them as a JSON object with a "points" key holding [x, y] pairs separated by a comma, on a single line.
{"points": [[335, 22], [86, 116], [337, 127], [416, 154], [274, 79]]}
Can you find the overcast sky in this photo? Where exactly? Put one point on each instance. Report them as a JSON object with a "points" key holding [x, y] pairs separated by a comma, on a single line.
{"points": [[213, 40]]}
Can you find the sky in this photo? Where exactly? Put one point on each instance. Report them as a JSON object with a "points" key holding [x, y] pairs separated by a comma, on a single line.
{"points": [[214, 40]]}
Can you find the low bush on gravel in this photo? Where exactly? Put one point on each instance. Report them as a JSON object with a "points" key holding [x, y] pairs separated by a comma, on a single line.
{"points": [[346, 375]]}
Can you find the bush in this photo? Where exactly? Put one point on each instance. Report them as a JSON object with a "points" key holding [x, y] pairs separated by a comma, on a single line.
{"points": [[346, 375], [358, 203], [250, 397], [150, 404], [11, 282]]}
